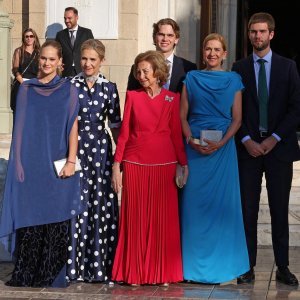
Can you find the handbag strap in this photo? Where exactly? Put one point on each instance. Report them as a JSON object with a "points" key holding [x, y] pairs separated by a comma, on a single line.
{"points": [[15, 80], [29, 63]]}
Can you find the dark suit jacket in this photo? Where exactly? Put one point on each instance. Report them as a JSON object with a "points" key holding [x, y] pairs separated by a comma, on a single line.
{"points": [[69, 54], [180, 67], [283, 108]]}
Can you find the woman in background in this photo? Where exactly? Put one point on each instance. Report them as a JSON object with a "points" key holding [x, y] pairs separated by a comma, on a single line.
{"points": [[94, 233], [24, 62], [213, 239]]}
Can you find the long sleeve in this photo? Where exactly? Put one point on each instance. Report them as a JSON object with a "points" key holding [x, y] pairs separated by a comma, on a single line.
{"points": [[124, 132], [176, 133]]}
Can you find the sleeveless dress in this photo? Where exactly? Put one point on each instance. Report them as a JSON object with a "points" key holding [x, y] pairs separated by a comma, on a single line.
{"points": [[94, 233], [213, 239]]}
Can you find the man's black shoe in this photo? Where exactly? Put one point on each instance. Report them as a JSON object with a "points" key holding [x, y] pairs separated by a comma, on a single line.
{"points": [[284, 275], [247, 277]]}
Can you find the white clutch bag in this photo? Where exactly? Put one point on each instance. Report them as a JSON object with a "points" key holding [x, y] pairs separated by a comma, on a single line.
{"points": [[59, 164], [179, 176], [209, 134]]}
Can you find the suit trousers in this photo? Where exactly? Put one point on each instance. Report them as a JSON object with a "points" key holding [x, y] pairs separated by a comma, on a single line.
{"points": [[278, 175]]}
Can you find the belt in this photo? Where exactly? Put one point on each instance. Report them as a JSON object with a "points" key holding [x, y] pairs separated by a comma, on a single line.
{"points": [[263, 134]]}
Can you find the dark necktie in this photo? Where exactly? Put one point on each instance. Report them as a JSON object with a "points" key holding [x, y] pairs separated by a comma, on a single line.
{"points": [[263, 95], [72, 37]]}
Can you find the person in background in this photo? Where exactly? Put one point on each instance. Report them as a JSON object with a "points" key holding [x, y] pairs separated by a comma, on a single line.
{"points": [[214, 246], [150, 146], [94, 233], [267, 141], [38, 203], [24, 62], [71, 39], [166, 34]]}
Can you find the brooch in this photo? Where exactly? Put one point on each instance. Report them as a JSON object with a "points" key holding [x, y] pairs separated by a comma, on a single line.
{"points": [[169, 98]]}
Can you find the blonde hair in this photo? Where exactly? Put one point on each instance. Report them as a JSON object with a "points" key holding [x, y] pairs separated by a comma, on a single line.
{"points": [[95, 45], [217, 37]]}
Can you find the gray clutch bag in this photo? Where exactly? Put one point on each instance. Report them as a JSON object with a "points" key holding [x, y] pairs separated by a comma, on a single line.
{"points": [[212, 135], [209, 134]]}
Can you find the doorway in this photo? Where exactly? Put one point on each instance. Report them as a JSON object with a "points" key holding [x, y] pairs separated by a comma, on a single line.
{"points": [[286, 15]]}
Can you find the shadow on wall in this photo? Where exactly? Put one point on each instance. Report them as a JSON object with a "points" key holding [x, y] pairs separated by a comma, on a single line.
{"points": [[52, 29]]}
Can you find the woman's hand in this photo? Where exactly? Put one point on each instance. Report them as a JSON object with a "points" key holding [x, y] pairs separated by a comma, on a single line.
{"points": [[182, 173], [68, 170], [210, 148], [19, 171], [116, 178]]}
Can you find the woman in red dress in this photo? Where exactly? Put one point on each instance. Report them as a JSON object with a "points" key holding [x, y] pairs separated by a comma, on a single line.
{"points": [[150, 147]]}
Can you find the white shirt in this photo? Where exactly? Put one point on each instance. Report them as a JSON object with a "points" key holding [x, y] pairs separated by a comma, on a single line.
{"points": [[75, 29]]}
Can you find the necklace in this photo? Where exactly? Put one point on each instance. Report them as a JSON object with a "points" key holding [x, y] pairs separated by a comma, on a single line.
{"points": [[92, 78], [154, 93]]}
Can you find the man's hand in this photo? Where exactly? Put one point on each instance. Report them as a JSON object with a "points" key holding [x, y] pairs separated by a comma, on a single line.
{"points": [[268, 144], [254, 149]]}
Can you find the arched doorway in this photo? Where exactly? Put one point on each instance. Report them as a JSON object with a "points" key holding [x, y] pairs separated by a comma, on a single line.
{"points": [[286, 15]]}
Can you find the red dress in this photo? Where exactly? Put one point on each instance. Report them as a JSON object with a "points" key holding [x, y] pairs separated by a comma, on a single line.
{"points": [[149, 146]]}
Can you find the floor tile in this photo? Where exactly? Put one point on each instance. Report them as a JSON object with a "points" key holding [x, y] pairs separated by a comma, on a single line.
{"points": [[295, 295], [264, 286], [196, 291], [274, 285]]}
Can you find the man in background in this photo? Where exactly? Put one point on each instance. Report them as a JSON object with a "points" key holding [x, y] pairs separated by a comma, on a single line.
{"points": [[166, 34], [70, 40]]}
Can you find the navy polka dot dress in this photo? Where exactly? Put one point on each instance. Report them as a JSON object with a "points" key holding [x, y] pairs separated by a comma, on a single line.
{"points": [[93, 234]]}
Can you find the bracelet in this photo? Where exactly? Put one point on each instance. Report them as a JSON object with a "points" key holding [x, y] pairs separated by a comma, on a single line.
{"points": [[188, 138], [71, 162]]}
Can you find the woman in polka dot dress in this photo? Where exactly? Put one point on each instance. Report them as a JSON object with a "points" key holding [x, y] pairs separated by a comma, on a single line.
{"points": [[94, 232]]}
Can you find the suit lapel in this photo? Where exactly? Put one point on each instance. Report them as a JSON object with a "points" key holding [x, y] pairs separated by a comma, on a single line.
{"points": [[67, 38], [275, 69], [77, 40], [252, 80], [175, 76]]}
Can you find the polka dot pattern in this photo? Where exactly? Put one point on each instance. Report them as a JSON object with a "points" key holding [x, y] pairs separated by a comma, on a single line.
{"points": [[93, 234]]}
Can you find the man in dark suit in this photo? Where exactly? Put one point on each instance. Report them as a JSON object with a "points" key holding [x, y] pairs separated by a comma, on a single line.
{"points": [[267, 141], [166, 34], [71, 39]]}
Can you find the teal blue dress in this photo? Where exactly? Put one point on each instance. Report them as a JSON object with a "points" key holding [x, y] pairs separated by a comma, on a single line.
{"points": [[213, 239]]}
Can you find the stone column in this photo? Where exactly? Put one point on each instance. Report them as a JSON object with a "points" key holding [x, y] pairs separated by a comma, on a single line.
{"points": [[5, 70]]}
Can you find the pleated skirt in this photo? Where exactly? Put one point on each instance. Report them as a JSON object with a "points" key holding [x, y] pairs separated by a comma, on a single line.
{"points": [[148, 250]]}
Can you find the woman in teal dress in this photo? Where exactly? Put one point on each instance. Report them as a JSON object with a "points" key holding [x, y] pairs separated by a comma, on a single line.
{"points": [[213, 240]]}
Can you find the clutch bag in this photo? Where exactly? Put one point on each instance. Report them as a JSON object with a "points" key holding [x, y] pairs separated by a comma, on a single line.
{"points": [[179, 176], [209, 134], [59, 164]]}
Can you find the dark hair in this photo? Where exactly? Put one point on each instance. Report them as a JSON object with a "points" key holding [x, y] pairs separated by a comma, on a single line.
{"points": [[158, 63], [262, 17], [36, 44], [73, 9], [95, 45], [166, 21]]}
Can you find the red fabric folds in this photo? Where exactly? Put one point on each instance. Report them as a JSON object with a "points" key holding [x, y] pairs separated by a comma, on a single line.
{"points": [[149, 250]]}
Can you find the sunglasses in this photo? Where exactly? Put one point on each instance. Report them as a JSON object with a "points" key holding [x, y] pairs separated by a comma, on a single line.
{"points": [[29, 36]]}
